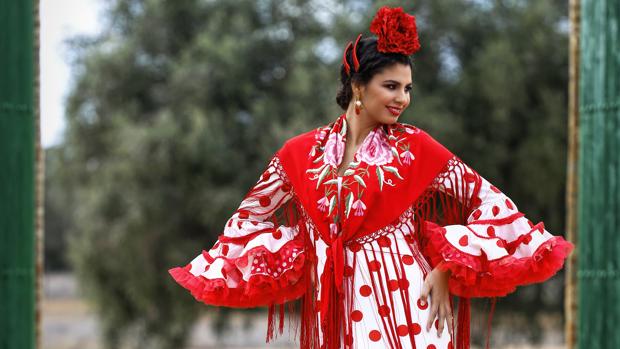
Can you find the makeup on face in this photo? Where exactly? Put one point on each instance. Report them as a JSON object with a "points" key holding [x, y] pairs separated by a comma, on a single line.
{"points": [[387, 94]]}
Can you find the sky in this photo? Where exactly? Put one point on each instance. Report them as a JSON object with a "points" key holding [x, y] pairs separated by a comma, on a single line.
{"points": [[60, 19]]}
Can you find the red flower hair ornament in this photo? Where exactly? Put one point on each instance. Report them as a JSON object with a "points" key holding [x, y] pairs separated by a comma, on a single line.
{"points": [[396, 33]]}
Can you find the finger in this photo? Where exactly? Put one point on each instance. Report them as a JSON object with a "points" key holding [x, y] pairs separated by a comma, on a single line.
{"points": [[426, 287], [431, 316], [442, 318], [450, 327]]}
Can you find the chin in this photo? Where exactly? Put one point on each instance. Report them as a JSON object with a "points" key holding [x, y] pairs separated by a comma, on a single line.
{"points": [[386, 119], [390, 120]]}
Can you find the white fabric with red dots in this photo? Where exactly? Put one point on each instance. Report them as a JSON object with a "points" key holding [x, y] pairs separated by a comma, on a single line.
{"points": [[486, 230], [385, 291], [252, 218], [495, 251]]}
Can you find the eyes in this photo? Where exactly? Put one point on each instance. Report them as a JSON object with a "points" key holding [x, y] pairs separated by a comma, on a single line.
{"points": [[395, 86]]}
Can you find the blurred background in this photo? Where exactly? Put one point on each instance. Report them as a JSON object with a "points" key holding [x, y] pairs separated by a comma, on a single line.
{"points": [[158, 116]]}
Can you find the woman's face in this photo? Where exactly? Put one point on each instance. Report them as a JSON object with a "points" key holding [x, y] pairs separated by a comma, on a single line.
{"points": [[387, 94]]}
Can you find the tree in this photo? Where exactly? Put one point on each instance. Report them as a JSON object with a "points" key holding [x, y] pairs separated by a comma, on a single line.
{"points": [[176, 109]]}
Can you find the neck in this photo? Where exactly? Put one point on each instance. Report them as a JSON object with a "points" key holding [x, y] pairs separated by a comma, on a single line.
{"points": [[358, 126]]}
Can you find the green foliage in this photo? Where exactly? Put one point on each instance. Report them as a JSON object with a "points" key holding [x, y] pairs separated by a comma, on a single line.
{"points": [[58, 207], [491, 86], [179, 105], [176, 109]]}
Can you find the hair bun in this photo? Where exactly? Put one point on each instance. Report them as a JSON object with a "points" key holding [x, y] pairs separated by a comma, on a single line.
{"points": [[396, 31]]}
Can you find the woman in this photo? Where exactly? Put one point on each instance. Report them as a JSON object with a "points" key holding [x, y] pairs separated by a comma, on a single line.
{"points": [[372, 223]]}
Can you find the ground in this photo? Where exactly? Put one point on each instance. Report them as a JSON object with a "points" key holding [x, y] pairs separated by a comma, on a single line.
{"points": [[68, 322]]}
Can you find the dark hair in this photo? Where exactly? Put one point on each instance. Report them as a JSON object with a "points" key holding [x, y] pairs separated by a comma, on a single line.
{"points": [[371, 62]]}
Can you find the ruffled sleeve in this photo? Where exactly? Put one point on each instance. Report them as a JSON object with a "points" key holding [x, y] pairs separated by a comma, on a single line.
{"points": [[255, 261], [497, 248]]}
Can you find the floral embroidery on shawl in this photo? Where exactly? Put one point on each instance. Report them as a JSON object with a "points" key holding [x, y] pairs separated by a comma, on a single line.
{"points": [[378, 159]]}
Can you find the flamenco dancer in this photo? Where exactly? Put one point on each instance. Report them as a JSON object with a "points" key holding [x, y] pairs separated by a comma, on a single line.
{"points": [[370, 224]]}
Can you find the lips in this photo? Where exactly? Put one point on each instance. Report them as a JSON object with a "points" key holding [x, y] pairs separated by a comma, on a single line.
{"points": [[394, 110]]}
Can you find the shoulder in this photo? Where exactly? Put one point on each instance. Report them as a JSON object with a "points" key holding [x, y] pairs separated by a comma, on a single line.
{"points": [[418, 138], [410, 132], [404, 128], [303, 138], [302, 143], [296, 151]]}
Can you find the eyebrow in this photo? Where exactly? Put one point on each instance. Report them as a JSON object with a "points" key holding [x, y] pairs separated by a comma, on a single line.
{"points": [[395, 82]]}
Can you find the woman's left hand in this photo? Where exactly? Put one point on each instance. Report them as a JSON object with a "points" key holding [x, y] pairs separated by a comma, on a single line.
{"points": [[437, 283]]}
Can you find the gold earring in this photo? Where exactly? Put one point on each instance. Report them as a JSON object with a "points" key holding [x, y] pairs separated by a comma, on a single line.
{"points": [[358, 105]]}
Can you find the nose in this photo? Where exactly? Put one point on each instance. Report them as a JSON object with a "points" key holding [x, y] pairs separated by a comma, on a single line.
{"points": [[401, 97]]}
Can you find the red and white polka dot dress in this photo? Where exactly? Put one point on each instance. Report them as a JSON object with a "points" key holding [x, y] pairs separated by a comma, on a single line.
{"points": [[387, 271], [257, 261], [385, 310]]}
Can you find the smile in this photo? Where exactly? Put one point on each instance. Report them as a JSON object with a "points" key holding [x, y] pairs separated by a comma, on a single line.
{"points": [[394, 111]]}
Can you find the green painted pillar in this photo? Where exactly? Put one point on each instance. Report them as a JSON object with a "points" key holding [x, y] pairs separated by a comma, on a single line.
{"points": [[599, 176], [17, 164]]}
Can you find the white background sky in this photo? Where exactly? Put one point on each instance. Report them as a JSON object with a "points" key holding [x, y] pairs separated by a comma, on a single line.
{"points": [[60, 19]]}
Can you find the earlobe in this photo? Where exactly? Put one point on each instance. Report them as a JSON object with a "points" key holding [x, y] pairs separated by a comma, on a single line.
{"points": [[358, 90], [358, 103], [356, 87]]}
